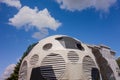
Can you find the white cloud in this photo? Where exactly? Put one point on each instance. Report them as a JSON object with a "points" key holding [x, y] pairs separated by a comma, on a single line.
{"points": [[40, 35], [79, 5], [28, 18], [13, 3], [7, 72], [104, 4]]}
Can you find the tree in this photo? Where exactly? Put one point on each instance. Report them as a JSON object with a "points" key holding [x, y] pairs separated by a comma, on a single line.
{"points": [[118, 61], [14, 75]]}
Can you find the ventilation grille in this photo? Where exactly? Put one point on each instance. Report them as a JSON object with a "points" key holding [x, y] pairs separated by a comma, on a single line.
{"points": [[73, 56], [23, 71], [34, 59], [53, 66], [88, 64]]}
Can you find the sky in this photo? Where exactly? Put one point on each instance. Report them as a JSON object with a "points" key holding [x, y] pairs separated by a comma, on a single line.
{"points": [[23, 22]]}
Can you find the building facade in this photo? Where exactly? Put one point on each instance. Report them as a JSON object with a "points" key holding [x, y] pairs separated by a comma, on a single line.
{"points": [[61, 57]]}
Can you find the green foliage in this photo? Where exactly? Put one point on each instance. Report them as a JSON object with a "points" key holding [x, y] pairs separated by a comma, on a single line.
{"points": [[118, 61], [14, 75]]}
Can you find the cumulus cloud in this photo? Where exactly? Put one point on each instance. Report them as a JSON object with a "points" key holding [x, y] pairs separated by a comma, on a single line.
{"points": [[8, 71], [28, 18], [40, 35], [79, 5], [13, 3]]}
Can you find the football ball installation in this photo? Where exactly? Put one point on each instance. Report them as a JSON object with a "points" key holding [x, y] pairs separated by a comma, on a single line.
{"points": [[61, 57]]}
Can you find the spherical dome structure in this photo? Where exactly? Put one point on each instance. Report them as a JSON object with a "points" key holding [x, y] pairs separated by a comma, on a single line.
{"points": [[59, 57]]}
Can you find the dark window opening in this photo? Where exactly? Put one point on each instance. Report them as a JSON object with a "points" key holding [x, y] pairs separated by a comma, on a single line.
{"points": [[79, 46], [47, 46], [70, 43], [36, 74], [95, 74], [48, 72], [43, 73]]}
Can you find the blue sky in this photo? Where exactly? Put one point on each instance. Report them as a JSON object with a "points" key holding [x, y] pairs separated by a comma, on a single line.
{"points": [[23, 22]]}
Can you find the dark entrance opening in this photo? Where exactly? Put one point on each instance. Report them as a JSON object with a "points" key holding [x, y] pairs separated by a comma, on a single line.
{"points": [[95, 74], [36, 74]]}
